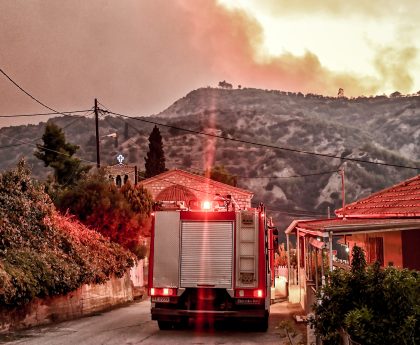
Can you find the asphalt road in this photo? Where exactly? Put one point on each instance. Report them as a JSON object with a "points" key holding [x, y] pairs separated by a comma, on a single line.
{"points": [[131, 324]]}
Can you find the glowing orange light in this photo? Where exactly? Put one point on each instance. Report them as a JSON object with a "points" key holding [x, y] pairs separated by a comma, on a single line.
{"points": [[152, 214], [206, 205]]}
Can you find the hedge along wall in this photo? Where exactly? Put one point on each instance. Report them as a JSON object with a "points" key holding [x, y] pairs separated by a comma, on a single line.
{"points": [[84, 301]]}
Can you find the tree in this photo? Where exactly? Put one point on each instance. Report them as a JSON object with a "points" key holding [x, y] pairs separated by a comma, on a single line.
{"points": [[395, 94], [121, 215], [155, 160], [56, 153], [220, 174]]}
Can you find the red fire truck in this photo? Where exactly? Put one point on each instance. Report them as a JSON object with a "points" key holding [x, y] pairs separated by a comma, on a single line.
{"points": [[210, 261]]}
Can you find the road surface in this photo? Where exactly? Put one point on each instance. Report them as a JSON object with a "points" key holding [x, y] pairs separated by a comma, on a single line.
{"points": [[131, 324]]}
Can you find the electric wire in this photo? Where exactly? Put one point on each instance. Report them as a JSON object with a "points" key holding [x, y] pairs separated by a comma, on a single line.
{"points": [[271, 146], [67, 113], [28, 94], [64, 127], [291, 212], [198, 171], [45, 148]]}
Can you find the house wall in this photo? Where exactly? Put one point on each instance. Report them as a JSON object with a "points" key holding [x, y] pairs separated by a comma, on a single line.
{"points": [[392, 245], [201, 190], [410, 246]]}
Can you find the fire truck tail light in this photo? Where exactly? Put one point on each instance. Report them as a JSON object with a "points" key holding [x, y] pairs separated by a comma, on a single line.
{"points": [[258, 293], [162, 292]]}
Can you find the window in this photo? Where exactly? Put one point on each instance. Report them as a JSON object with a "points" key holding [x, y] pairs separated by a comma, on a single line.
{"points": [[118, 181]]}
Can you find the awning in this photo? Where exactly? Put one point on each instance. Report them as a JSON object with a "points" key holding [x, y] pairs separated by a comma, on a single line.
{"points": [[317, 244]]}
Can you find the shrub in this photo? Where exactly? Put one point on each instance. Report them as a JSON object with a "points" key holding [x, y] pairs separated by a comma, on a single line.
{"points": [[373, 305], [43, 253]]}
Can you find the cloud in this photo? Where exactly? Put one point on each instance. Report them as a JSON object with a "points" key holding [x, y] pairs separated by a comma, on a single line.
{"points": [[393, 65], [376, 9], [138, 57], [232, 38]]}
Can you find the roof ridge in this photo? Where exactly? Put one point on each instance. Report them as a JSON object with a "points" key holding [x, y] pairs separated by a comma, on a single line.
{"points": [[197, 177]]}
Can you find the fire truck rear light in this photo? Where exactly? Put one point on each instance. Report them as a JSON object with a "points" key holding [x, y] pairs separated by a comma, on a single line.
{"points": [[241, 293], [258, 293], [162, 292]]}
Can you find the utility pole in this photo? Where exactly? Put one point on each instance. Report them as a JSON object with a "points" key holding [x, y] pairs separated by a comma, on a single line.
{"points": [[343, 191], [98, 159]]}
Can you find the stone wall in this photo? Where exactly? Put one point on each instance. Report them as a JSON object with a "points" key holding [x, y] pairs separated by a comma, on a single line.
{"points": [[86, 300]]}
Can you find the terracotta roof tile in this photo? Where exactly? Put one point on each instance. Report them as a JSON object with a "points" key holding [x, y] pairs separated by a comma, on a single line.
{"points": [[401, 200], [176, 193]]}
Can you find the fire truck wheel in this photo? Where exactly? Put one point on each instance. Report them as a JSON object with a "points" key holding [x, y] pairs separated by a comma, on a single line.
{"points": [[263, 324], [164, 325], [182, 324]]}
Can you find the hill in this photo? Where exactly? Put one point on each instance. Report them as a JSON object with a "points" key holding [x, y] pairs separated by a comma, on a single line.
{"points": [[376, 129]]}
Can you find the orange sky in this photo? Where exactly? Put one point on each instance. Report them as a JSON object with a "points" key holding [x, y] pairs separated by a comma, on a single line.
{"points": [[139, 56]]}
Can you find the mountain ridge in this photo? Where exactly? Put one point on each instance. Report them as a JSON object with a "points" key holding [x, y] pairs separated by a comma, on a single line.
{"points": [[375, 129]]}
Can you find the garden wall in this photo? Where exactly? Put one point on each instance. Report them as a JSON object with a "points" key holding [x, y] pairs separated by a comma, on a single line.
{"points": [[86, 300]]}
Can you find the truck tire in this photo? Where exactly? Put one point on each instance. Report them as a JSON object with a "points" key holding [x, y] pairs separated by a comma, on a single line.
{"points": [[263, 324], [164, 325]]}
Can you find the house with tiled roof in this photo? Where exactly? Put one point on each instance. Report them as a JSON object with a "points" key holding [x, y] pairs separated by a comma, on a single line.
{"points": [[180, 185], [385, 224]]}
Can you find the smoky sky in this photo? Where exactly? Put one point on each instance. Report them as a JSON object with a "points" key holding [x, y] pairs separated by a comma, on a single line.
{"points": [[139, 56]]}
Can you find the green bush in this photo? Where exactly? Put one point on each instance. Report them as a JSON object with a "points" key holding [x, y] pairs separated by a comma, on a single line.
{"points": [[374, 306], [43, 253]]}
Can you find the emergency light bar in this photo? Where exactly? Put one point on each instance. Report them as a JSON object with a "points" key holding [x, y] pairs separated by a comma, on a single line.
{"points": [[206, 205]]}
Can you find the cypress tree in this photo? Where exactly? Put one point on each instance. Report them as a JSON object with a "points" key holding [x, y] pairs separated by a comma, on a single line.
{"points": [[155, 160]]}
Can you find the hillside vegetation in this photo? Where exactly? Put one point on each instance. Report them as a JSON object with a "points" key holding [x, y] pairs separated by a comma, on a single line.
{"points": [[375, 129], [43, 253]]}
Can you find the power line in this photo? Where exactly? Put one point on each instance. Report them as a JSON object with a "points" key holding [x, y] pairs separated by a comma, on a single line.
{"points": [[198, 171], [292, 176], [325, 155], [28, 94], [44, 148], [67, 113], [64, 127], [290, 212]]}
